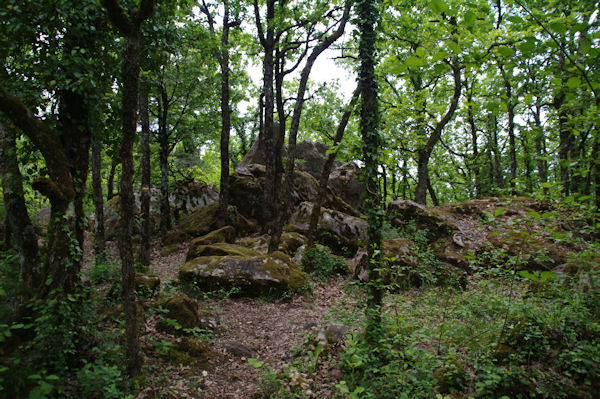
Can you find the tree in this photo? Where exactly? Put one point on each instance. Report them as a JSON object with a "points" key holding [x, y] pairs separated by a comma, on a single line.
{"points": [[129, 25], [371, 142]]}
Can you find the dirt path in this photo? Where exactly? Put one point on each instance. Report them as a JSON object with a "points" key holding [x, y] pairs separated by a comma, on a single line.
{"points": [[255, 328]]}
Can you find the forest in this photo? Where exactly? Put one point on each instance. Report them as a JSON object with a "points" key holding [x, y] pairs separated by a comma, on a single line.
{"points": [[299, 199]]}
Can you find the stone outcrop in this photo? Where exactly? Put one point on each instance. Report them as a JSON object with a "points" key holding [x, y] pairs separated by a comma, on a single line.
{"points": [[345, 182], [343, 233], [251, 273]]}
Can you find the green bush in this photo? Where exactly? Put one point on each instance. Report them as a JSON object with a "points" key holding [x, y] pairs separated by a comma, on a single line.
{"points": [[323, 263]]}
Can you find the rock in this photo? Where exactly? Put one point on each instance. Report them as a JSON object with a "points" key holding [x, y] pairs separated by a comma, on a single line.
{"points": [[188, 194], [291, 242], [224, 234], [341, 232], [239, 350], [147, 283], [258, 243], [186, 312], [246, 193], [218, 249], [175, 237], [345, 182], [252, 274], [311, 157], [205, 220], [436, 221], [446, 250], [534, 252], [192, 351], [117, 313]]}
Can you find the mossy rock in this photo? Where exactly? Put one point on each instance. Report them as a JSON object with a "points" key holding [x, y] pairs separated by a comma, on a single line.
{"points": [[291, 241], [186, 312], [117, 313], [251, 274], [534, 253], [259, 244], [175, 237], [437, 221], [192, 352], [343, 233], [218, 249], [147, 282], [224, 234], [205, 220], [447, 251]]}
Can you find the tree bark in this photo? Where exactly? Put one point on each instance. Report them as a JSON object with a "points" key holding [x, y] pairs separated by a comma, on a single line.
{"points": [[99, 237], [130, 28], [371, 145], [163, 157], [144, 257], [324, 177], [425, 153], [17, 217], [512, 145], [298, 105], [110, 182], [225, 120]]}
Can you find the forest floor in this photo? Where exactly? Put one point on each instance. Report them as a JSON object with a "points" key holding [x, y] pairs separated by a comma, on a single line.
{"points": [[274, 332]]}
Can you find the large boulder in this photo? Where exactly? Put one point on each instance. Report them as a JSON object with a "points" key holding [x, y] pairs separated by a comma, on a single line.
{"points": [[343, 233], [345, 182], [436, 221], [251, 274], [204, 221], [218, 249], [401, 261], [289, 244], [246, 193], [311, 157], [530, 252], [187, 314]]}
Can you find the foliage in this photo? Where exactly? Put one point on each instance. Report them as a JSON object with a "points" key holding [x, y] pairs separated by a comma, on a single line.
{"points": [[323, 263], [462, 345]]}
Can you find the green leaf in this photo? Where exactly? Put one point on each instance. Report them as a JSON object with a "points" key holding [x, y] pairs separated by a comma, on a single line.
{"points": [[515, 19], [413, 62], [506, 51], [528, 99], [498, 212], [439, 56], [558, 27], [438, 6], [454, 47], [527, 46], [573, 83], [470, 18]]}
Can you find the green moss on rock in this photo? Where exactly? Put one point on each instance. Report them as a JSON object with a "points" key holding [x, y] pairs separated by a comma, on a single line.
{"points": [[218, 249]]}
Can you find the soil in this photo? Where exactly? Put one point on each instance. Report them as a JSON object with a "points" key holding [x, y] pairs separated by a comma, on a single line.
{"points": [[272, 331]]}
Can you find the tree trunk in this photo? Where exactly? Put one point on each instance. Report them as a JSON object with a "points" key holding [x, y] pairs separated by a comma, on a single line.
{"points": [[422, 177], [18, 221], [324, 178], [163, 156], [474, 144], [540, 148], [131, 30], [110, 182], [144, 257], [58, 188], [268, 43], [99, 236], [371, 145], [225, 120], [512, 145]]}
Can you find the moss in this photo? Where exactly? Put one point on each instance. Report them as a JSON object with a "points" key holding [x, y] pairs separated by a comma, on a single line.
{"points": [[169, 249], [200, 222], [291, 241], [218, 249], [534, 253], [224, 234], [145, 282], [253, 274], [182, 309], [175, 237]]}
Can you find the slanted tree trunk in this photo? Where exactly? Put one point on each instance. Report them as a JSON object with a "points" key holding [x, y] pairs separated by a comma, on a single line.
{"points": [[99, 236], [17, 217], [291, 154], [129, 25], [163, 157], [58, 188], [324, 177], [110, 182], [144, 257]]}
